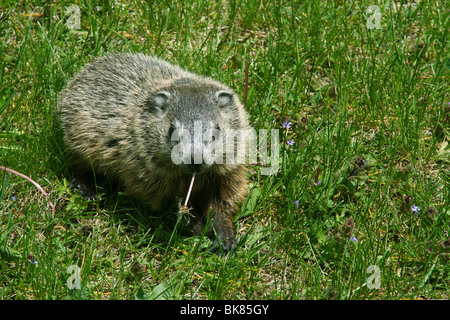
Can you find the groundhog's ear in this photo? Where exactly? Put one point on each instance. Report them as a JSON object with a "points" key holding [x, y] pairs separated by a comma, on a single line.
{"points": [[158, 101], [160, 98], [224, 98]]}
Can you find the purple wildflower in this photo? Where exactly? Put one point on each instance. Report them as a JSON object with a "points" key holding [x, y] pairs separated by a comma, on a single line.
{"points": [[287, 125], [415, 209], [353, 238], [296, 203], [32, 260], [290, 142]]}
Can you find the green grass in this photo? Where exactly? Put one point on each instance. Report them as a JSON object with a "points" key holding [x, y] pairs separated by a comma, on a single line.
{"points": [[350, 92]]}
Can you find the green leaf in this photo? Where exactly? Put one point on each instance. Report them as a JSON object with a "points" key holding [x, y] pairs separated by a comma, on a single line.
{"points": [[320, 234], [350, 187], [169, 290], [141, 295], [251, 204], [256, 235], [447, 64], [9, 254], [161, 292]]}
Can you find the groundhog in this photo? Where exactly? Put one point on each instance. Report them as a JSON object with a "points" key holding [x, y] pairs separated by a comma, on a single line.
{"points": [[146, 122]]}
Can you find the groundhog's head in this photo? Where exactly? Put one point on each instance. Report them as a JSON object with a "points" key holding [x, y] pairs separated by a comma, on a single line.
{"points": [[203, 125]]}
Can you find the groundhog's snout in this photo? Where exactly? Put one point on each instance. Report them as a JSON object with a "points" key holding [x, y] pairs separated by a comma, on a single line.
{"points": [[195, 148], [195, 158]]}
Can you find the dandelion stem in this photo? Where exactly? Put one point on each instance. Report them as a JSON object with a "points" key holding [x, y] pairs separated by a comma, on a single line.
{"points": [[190, 189], [33, 182]]}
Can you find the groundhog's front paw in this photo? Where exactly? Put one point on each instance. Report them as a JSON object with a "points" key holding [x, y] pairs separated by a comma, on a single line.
{"points": [[86, 192], [223, 244]]}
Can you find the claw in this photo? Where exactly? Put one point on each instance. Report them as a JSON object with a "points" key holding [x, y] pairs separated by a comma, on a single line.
{"points": [[223, 247], [83, 189]]}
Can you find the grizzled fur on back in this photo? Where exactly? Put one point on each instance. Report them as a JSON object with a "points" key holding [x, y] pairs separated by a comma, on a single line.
{"points": [[118, 115]]}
